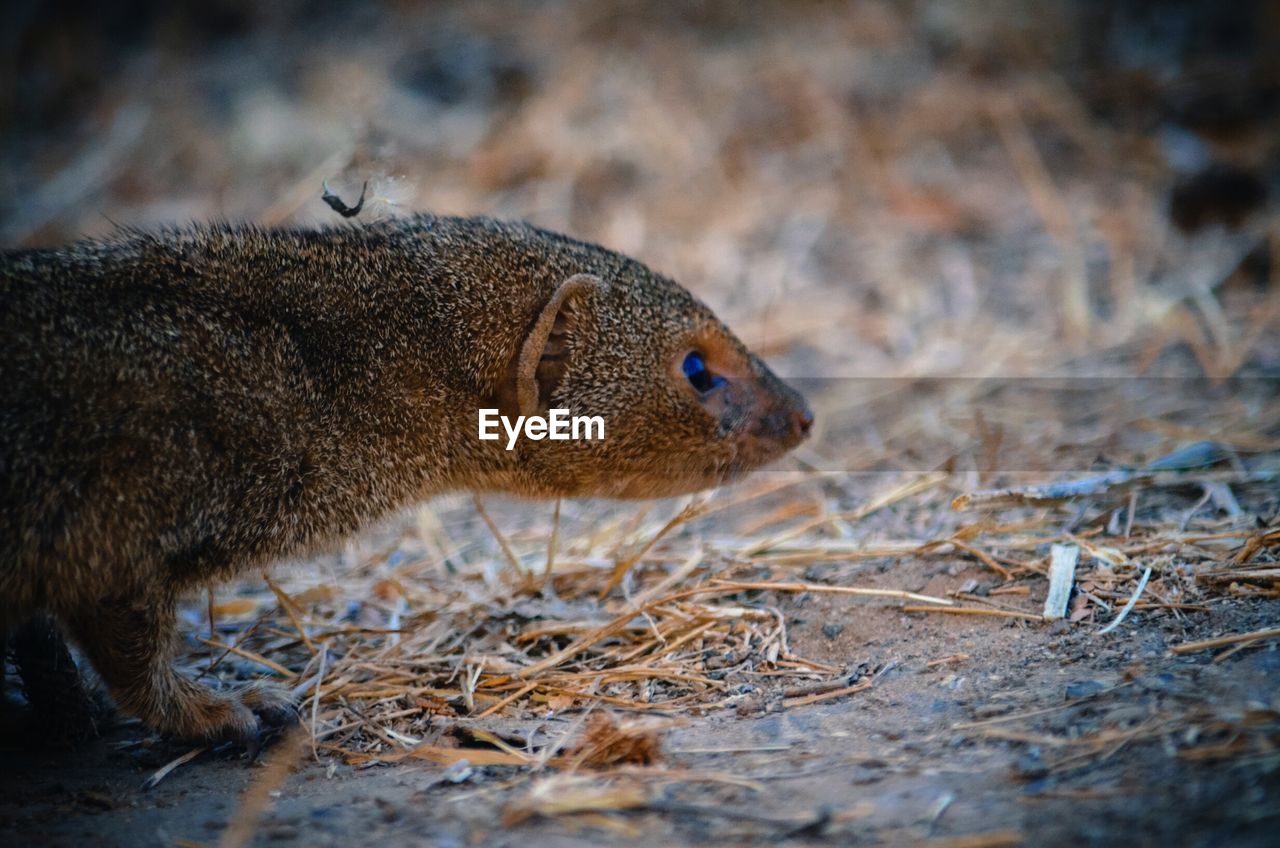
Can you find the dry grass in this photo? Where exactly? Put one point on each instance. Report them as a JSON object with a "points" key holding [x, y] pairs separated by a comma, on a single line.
{"points": [[400, 653]]}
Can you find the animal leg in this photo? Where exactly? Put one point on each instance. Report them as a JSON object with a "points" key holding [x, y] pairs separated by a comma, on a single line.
{"points": [[131, 644], [62, 707]]}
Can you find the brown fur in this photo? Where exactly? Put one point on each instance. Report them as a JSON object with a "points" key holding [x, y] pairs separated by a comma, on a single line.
{"points": [[185, 405]]}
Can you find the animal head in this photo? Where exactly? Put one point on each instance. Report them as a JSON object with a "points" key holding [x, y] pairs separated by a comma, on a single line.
{"points": [[685, 405]]}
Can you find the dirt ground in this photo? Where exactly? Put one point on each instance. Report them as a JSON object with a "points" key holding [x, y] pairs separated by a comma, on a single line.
{"points": [[935, 750], [996, 245]]}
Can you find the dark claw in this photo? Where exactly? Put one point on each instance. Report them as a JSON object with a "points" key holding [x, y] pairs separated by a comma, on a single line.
{"points": [[253, 746], [274, 713], [278, 716]]}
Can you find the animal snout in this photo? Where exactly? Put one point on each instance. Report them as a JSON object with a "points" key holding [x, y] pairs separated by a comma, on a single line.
{"points": [[781, 417], [801, 420], [789, 422]]}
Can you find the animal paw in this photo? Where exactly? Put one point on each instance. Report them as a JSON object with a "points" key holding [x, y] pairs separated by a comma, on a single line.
{"points": [[246, 717], [272, 704]]}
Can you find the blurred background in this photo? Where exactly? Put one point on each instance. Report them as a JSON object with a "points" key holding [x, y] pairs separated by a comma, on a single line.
{"points": [[910, 208]]}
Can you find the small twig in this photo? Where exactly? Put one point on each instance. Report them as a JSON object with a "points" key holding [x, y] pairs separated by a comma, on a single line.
{"points": [[1004, 719], [951, 658], [164, 771], [1133, 599], [834, 590], [1054, 493], [1196, 455], [913, 487], [983, 557], [551, 546], [315, 701], [514, 696], [691, 511], [497, 534], [998, 613], [286, 603], [826, 696], [249, 655], [678, 576], [1267, 575], [1254, 544], [240, 637], [1235, 649], [1222, 641]]}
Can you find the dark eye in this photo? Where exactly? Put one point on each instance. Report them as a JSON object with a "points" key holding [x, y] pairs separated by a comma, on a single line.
{"points": [[698, 375]]}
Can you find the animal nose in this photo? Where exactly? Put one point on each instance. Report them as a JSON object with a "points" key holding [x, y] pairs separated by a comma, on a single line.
{"points": [[801, 420]]}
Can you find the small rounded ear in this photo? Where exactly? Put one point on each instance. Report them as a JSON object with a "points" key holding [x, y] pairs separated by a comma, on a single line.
{"points": [[544, 356]]}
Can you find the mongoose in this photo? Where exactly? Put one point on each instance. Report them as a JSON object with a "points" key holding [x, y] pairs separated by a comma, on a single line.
{"points": [[184, 405]]}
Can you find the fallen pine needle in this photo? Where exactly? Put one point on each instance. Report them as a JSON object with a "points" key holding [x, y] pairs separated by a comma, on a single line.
{"points": [[815, 688], [969, 725], [497, 534], [448, 756], [913, 487], [983, 557], [1235, 649], [998, 613], [1256, 575], [1133, 599], [1221, 641], [746, 749], [834, 590], [826, 696], [514, 696], [953, 658], [691, 511], [248, 655], [1057, 493], [167, 768], [614, 627], [1121, 480], [315, 701], [290, 609], [552, 542]]}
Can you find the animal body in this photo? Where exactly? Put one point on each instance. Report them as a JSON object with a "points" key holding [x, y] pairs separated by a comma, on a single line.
{"points": [[181, 406]]}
